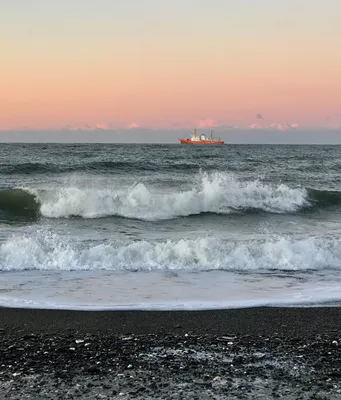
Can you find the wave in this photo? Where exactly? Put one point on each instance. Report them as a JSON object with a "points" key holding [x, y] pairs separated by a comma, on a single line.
{"points": [[18, 204], [44, 250], [28, 168], [324, 198], [218, 193], [94, 167]]}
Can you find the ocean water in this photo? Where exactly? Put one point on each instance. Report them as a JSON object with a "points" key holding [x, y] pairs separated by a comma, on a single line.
{"points": [[100, 226]]}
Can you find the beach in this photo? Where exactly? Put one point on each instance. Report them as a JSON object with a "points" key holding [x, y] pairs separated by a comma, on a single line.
{"points": [[268, 352]]}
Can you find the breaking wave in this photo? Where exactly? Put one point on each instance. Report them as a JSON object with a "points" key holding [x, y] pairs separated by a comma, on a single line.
{"points": [[218, 193], [44, 250], [17, 204], [213, 193]]}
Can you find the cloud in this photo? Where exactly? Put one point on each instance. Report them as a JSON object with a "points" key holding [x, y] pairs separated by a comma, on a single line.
{"points": [[133, 125], [206, 123], [259, 116], [102, 125], [283, 126], [275, 125], [69, 127], [254, 126], [88, 127]]}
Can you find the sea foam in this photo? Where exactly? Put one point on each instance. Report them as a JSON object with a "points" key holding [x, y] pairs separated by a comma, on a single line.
{"points": [[217, 192], [44, 250]]}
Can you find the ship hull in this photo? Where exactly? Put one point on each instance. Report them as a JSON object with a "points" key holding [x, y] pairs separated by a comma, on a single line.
{"points": [[188, 141]]}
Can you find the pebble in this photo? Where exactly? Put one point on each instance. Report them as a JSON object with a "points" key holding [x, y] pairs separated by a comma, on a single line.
{"points": [[167, 366]]}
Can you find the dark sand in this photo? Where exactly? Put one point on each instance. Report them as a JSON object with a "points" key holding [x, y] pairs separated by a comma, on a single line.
{"points": [[255, 321], [257, 353]]}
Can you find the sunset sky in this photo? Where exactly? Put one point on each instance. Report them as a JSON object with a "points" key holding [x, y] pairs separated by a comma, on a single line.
{"points": [[167, 64]]}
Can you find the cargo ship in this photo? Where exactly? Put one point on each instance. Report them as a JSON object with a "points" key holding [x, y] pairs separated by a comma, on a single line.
{"points": [[195, 139]]}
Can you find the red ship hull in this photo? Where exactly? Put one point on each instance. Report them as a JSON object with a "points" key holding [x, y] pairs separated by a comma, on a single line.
{"points": [[188, 141]]}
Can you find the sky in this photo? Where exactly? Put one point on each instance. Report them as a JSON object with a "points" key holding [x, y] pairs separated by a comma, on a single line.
{"points": [[152, 64]]}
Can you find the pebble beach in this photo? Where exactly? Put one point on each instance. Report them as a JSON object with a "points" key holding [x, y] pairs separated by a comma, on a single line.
{"points": [[289, 353]]}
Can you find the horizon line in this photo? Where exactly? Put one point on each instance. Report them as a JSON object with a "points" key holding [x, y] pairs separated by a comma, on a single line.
{"points": [[279, 128]]}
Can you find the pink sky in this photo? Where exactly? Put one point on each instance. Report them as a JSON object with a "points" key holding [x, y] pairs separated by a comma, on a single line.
{"points": [[222, 67]]}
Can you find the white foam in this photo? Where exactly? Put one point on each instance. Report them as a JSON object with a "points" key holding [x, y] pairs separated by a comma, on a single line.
{"points": [[158, 291], [44, 250], [216, 192]]}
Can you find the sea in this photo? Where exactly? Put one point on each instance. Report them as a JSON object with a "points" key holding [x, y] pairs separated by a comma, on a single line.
{"points": [[169, 226]]}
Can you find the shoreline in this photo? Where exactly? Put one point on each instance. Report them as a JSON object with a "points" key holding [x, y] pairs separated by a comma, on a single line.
{"points": [[298, 321], [290, 353]]}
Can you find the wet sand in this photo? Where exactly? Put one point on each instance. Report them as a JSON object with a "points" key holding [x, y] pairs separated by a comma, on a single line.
{"points": [[291, 353], [255, 321]]}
